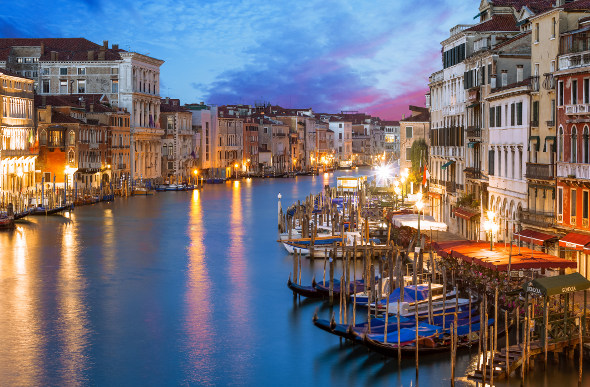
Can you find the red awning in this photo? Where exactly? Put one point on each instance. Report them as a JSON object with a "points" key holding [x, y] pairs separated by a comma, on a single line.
{"points": [[574, 240], [434, 195], [536, 237], [465, 213]]}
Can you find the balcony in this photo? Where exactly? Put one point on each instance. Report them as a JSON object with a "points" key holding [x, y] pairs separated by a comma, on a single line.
{"points": [[535, 123], [473, 131], [574, 60], [19, 152], [573, 170], [540, 171], [541, 219], [121, 166], [577, 109], [451, 186], [549, 81], [551, 123], [94, 145], [472, 173]]}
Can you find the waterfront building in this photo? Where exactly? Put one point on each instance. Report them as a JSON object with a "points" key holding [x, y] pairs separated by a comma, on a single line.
{"points": [[130, 80], [250, 157], [178, 143], [412, 128], [205, 123], [273, 138], [230, 144], [391, 130], [342, 138], [448, 103], [573, 145], [18, 146]]}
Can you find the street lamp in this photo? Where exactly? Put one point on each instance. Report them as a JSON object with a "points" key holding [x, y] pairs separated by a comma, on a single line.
{"points": [[419, 206], [397, 189], [403, 177], [491, 226], [19, 174], [236, 169]]}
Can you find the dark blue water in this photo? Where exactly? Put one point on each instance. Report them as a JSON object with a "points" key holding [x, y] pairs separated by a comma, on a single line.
{"points": [[180, 288]]}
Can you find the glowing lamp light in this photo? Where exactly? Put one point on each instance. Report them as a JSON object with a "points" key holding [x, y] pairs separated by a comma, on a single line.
{"points": [[420, 205], [19, 172], [236, 165], [196, 172]]}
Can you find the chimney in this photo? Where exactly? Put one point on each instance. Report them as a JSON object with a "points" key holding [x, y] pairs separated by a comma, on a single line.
{"points": [[53, 56], [105, 44], [167, 100], [42, 48], [90, 54], [115, 46], [91, 108], [101, 54]]}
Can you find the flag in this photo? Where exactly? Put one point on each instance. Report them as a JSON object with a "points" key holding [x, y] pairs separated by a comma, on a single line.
{"points": [[425, 176]]}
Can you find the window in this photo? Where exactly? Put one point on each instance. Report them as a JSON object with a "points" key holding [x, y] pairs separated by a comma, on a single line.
{"points": [[519, 113], [45, 86], [340, 136], [552, 28], [43, 138], [81, 86], [512, 114], [81, 70], [499, 115], [536, 112], [573, 202], [492, 117], [519, 73], [560, 144], [504, 77], [536, 32], [574, 145], [114, 70], [574, 91], [559, 202], [586, 87], [560, 93], [586, 158], [408, 154], [114, 86], [409, 131], [340, 125], [491, 163], [44, 71], [72, 138], [585, 204], [553, 111], [63, 87], [63, 71]]}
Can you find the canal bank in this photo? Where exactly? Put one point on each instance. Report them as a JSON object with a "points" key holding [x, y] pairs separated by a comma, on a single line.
{"points": [[180, 288]]}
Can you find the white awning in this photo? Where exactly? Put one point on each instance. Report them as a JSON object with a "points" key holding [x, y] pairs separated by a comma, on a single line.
{"points": [[427, 222]]}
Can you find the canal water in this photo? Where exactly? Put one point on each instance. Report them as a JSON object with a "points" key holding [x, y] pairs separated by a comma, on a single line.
{"points": [[181, 288]]}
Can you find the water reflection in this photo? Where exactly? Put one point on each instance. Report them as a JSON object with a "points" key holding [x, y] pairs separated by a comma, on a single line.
{"points": [[197, 322], [73, 325], [20, 332], [108, 242]]}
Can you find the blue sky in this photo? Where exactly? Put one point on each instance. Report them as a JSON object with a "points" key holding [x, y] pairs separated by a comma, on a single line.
{"points": [[372, 56]]}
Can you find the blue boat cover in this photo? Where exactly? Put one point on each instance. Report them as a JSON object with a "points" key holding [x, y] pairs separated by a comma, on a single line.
{"points": [[407, 334]]}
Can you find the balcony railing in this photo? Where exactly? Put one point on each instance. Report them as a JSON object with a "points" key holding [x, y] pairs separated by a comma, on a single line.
{"points": [[540, 171], [577, 109], [550, 123], [472, 173], [451, 186], [549, 81], [473, 131], [19, 152], [573, 170], [535, 124], [121, 166], [570, 61], [537, 218]]}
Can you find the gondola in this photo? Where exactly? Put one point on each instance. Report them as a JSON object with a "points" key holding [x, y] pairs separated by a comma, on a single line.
{"points": [[7, 223], [51, 211], [305, 291], [324, 288]]}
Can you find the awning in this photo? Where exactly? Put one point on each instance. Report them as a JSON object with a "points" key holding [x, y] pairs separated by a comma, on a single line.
{"points": [[548, 138], [465, 213], [434, 195], [471, 144], [575, 241], [537, 139], [445, 165], [560, 284], [473, 105], [427, 222], [532, 236], [478, 15]]}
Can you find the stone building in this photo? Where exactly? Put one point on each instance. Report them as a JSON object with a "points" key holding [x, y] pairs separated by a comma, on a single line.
{"points": [[18, 146], [178, 142]]}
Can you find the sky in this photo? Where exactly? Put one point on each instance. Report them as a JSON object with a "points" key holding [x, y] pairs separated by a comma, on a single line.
{"points": [[371, 56]]}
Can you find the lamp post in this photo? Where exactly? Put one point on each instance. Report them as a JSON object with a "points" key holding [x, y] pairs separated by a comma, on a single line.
{"points": [[398, 192], [236, 169], [403, 177], [419, 206], [492, 227]]}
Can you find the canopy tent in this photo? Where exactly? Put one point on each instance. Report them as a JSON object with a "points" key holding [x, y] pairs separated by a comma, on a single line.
{"points": [[427, 222], [479, 253], [532, 236], [465, 213], [560, 284], [574, 240]]}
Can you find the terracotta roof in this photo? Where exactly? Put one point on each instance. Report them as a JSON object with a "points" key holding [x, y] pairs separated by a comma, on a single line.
{"points": [[533, 5], [59, 118], [498, 22], [79, 101], [171, 105], [465, 213], [422, 116], [512, 40], [512, 85], [579, 5], [69, 49], [389, 123]]}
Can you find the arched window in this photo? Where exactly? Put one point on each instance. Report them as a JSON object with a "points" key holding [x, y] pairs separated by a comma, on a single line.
{"points": [[585, 145], [72, 138], [560, 144], [574, 145], [43, 138], [71, 157]]}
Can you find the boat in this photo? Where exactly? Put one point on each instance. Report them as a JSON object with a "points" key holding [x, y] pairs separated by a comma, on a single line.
{"points": [[215, 180], [302, 290], [50, 211], [324, 287], [142, 191], [362, 298], [410, 293], [323, 246], [448, 305], [7, 223]]}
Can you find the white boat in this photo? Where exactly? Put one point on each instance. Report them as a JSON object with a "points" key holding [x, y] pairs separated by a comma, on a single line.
{"points": [[323, 246]]}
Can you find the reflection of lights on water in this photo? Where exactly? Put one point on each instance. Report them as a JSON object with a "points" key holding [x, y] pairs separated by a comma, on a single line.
{"points": [[236, 183], [196, 194]]}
